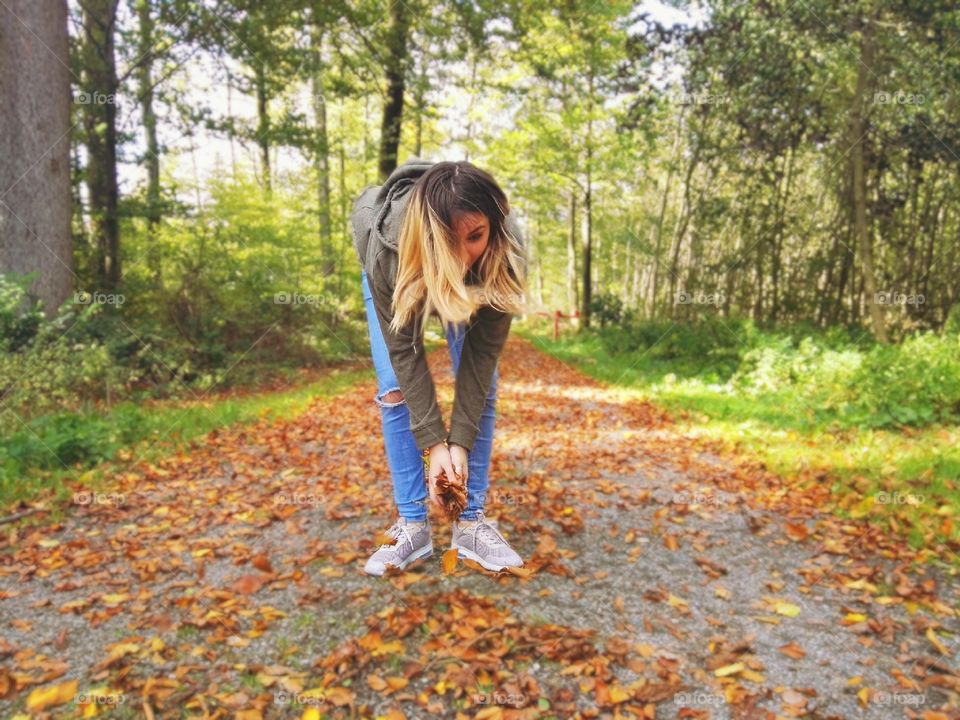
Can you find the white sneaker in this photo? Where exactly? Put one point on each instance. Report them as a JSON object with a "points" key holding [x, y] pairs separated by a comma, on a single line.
{"points": [[482, 542], [413, 542]]}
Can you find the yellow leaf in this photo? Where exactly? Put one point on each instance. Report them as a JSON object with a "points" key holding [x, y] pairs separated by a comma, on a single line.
{"points": [[935, 641], [52, 695], [852, 618], [618, 694], [781, 607], [729, 669]]}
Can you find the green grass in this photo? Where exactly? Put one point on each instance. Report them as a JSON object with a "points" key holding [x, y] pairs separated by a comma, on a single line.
{"points": [[93, 445], [789, 433]]}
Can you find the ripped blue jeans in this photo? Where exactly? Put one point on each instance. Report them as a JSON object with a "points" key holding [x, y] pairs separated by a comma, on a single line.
{"points": [[406, 463]]}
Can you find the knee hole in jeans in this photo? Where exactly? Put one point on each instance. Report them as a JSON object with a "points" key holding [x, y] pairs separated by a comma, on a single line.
{"points": [[391, 398]]}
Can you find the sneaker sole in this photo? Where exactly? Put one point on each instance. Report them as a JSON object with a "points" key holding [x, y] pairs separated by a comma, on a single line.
{"points": [[471, 555], [416, 555]]}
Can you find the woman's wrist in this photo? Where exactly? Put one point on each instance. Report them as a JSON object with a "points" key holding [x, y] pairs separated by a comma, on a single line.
{"points": [[426, 452]]}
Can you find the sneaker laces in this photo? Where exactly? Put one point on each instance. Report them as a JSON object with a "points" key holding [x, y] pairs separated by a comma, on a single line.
{"points": [[398, 531], [489, 532]]}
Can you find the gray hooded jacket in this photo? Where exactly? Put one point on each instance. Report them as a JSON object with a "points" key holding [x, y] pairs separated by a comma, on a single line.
{"points": [[376, 219]]}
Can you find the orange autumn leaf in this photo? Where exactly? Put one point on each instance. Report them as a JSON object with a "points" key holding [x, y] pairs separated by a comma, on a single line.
{"points": [[796, 532], [262, 562], [794, 651], [449, 560], [247, 584]]}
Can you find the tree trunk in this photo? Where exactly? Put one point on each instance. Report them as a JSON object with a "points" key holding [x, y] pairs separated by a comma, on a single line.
{"points": [[572, 253], [99, 100], [588, 220], [152, 160], [861, 229], [263, 126], [35, 190], [661, 216], [396, 61], [321, 155]]}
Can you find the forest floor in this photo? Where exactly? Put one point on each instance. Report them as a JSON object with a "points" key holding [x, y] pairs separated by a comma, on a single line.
{"points": [[662, 580]]}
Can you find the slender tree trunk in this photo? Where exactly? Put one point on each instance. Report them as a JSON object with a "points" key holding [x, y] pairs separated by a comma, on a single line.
{"points": [[263, 127], [588, 218], [152, 160], [857, 131], [661, 217], [572, 253], [321, 155], [396, 61], [99, 98], [35, 199]]}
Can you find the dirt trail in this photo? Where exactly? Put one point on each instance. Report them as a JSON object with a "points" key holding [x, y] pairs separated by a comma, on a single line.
{"points": [[665, 582]]}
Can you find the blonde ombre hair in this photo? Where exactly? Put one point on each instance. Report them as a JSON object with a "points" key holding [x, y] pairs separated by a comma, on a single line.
{"points": [[430, 273]]}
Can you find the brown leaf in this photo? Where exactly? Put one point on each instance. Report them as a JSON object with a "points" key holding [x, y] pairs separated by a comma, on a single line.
{"points": [[796, 531], [262, 562], [792, 650], [248, 584], [452, 495]]}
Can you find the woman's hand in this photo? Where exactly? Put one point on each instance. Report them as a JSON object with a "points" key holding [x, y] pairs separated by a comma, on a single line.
{"points": [[440, 461], [458, 458]]}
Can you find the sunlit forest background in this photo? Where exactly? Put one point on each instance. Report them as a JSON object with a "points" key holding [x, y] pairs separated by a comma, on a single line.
{"points": [[751, 207]]}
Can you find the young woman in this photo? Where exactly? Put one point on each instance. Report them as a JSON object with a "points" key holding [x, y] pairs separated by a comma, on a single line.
{"points": [[438, 239]]}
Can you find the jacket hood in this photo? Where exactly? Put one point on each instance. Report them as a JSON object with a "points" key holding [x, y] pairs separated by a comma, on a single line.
{"points": [[392, 200]]}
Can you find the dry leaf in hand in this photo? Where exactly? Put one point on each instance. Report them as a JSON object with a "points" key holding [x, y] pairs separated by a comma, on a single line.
{"points": [[452, 495]]}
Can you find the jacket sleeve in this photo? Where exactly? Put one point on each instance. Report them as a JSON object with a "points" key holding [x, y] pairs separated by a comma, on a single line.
{"points": [[409, 362], [482, 345]]}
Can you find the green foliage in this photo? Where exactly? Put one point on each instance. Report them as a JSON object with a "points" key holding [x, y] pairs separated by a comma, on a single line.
{"points": [[711, 342], [836, 376], [19, 317], [607, 309], [952, 326], [54, 362], [913, 384]]}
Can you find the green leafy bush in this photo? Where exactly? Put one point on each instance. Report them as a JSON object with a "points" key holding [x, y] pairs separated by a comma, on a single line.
{"points": [[915, 383]]}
